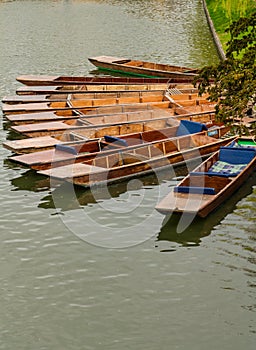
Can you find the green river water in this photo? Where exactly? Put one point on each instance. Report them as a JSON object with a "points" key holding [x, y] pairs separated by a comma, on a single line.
{"points": [[102, 269]]}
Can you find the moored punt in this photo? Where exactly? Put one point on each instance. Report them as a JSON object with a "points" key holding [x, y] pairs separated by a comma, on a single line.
{"points": [[34, 144], [53, 128], [80, 151], [142, 68], [170, 107], [94, 100], [87, 102], [212, 182], [80, 94], [73, 114], [68, 89], [36, 80], [139, 161]]}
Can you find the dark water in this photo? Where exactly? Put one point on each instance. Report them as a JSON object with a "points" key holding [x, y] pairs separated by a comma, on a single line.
{"points": [[101, 269]]}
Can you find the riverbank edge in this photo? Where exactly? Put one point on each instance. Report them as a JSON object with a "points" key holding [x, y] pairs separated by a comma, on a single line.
{"points": [[216, 39]]}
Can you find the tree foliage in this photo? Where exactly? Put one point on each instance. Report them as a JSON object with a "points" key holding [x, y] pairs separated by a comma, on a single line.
{"points": [[232, 82]]}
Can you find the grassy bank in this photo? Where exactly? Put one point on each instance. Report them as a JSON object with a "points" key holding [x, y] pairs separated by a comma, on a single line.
{"points": [[224, 12]]}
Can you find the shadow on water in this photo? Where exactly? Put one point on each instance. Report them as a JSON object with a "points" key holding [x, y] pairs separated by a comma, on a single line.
{"points": [[69, 197], [30, 181], [65, 197], [199, 227]]}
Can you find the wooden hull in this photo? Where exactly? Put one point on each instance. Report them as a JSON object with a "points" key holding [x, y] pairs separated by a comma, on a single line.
{"points": [[33, 113], [69, 89], [14, 100], [54, 128], [98, 99], [93, 173], [36, 80], [203, 204], [90, 149], [141, 68], [73, 114], [35, 144], [81, 94], [87, 101]]}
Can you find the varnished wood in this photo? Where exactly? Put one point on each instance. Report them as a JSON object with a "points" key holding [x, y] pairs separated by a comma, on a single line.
{"points": [[137, 162], [69, 89], [88, 101], [152, 119], [86, 150], [34, 144], [42, 80], [142, 68]]}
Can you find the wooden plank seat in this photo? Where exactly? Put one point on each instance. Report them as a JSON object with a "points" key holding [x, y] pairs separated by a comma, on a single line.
{"points": [[195, 189], [118, 141], [201, 183]]}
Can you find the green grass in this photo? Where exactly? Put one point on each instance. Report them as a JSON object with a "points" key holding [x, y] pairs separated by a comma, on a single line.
{"points": [[224, 12]]}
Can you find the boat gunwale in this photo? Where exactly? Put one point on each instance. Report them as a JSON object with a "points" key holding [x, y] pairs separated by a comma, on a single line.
{"points": [[146, 162]]}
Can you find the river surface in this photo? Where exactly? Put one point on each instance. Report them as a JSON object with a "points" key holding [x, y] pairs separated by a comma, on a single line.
{"points": [[102, 269]]}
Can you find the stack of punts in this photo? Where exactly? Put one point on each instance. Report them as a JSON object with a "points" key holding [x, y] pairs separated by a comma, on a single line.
{"points": [[80, 151], [92, 100], [152, 119], [87, 101], [72, 114], [142, 68], [212, 182], [61, 133], [84, 111], [93, 130], [79, 120], [70, 109]]}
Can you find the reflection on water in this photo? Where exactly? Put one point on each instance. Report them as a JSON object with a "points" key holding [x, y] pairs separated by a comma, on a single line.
{"points": [[30, 181], [65, 197], [201, 227]]}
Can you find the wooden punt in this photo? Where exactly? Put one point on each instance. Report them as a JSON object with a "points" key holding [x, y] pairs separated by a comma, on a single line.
{"points": [[212, 182], [53, 128], [36, 80], [69, 89], [87, 101], [73, 114], [25, 93], [97, 99], [181, 104], [140, 161], [83, 133], [142, 68], [90, 122], [161, 108], [80, 151], [80, 94]]}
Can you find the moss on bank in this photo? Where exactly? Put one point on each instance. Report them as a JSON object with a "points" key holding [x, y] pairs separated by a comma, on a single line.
{"points": [[224, 12]]}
